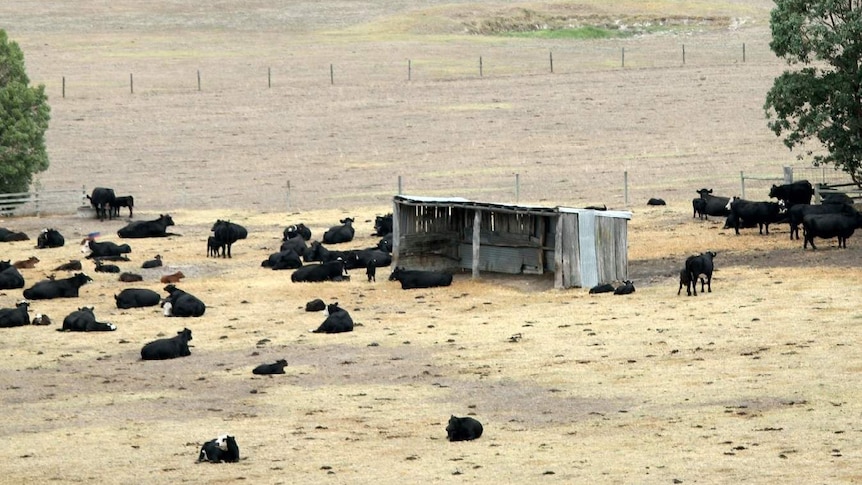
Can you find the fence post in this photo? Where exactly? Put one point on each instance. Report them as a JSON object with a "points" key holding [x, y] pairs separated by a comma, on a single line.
{"points": [[331, 74], [517, 187], [131, 84], [409, 69], [480, 66], [199, 79], [288, 194], [399, 185], [626, 187], [743, 52], [788, 175], [64, 86], [551, 57], [623, 57], [742, 183], [268, 77], [683, 54]]}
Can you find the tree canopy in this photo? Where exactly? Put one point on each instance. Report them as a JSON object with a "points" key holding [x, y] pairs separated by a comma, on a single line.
{"points": [[24, 115]]}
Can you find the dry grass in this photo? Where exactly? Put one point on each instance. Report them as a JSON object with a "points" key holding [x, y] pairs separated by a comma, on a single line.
{"points": [[750, 383]]}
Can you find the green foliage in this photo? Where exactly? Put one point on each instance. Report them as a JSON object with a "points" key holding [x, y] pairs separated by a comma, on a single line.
{"points": [[24, 115], [579, 33], [822, 98]]}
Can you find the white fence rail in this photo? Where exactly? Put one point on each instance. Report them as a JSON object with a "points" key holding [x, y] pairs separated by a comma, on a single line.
{"points": [[39, 202]]}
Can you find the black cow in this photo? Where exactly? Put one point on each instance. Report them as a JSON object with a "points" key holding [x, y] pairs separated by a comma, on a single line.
{"points": [[102, 199], [798, 212], [10, 236], [603, 288], [684, 281], [385, 244], [168, 348], [361, 258], [311, 273], [50, 238], [654, 201], [106, 268], [318, 252], [627, 288], [153, 263], [463, 429], [95, 249], [337, 320], [72, 265], [297, 243], [287, 259], [62, 288], [127, 277], [218, 450], [10, 279], [698, 207], [383, 225], [142, 229], [123, 201], [84, 320], [411, 279], [15, 317], [137, 298], [268, 369], [5, 264], [714, 205], [799, 192], [745, 212], [827, 226], [339, 234], [213, 247], [227, 233], [295, 230], [316, 305], [178, 303], [371, 270], [699, 265]]}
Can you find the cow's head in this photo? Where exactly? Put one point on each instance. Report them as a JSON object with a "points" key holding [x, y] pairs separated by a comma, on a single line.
{"points": [[82, 279]]}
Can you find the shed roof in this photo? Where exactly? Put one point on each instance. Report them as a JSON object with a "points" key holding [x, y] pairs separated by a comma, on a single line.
{"points": [[523, 208]]}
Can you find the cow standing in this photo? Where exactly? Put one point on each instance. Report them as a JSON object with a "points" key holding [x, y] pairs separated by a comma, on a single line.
{"points": [[226, 233], [102, 200], [827, 226], [748, 212], [799, 192], [713, 205], [695, 266]]}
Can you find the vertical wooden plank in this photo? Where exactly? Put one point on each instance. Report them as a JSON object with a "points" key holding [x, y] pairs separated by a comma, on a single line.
{"points": [[477, 226], [396, 232], [559, 267]]}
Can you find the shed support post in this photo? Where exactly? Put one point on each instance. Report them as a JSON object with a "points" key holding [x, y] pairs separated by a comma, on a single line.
{"points": [[477, 240], [788, 175], [558, 253]]}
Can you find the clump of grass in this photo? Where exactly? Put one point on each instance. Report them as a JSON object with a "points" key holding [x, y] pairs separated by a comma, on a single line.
{"points": [[588, 32]]}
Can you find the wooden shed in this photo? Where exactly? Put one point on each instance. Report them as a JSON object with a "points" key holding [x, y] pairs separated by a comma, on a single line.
{"points": [[582, 247]]}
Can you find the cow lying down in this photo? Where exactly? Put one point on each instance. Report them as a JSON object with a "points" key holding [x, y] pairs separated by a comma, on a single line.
{"points": [[168, 348], [411, 279], [337, 320], [218, 450], [84, 320]]}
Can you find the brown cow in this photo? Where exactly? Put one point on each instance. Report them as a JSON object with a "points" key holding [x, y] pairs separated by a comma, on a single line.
{"points": [[172, 278], [27, 263]]}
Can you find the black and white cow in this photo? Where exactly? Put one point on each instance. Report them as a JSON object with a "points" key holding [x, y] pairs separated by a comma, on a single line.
{"points": [[227, 233], [93, 249], [714, 205], [701, 264], [84, 320], [411, 279], [827, 226], [798, 212], [50, 238], [182, 304], [137, 298], [57, 288], [295, 230], [268, 369], [15, 317], [286, 259], [11, 236], [311, 273], [152, 263], [383, 225], [168, 348], [141, 229], [10, 279], [102, 199], [220, 450], [338, 320], [745, 212], [123, 201], [339, 234], [463, 429], [799, 192]]}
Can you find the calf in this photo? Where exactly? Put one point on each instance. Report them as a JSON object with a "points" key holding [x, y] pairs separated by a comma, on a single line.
{"points": [[72, 265], [168, 348], [105, 268], [183, 304], [152, 263], [218, 450], [713, 205], [286, 259], [10, 236], [654, 201], [50, 238], [11, 279], [123, 201], [84, 320], [337, 320], [627, 288], [339, 234], [371, 270], [299, 230], [382, 225], [227, 233], [15, 317], [136, 298], [684, 281], [463, 429], [604, 288], [41, 319], [316, 305], [331, 271], [172, 278], [699, 265], [213, 247], [267, 369], [63, 288], [28, 263], [411, 279], [127, 277]]}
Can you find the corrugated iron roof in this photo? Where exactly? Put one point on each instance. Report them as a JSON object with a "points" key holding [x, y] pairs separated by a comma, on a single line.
{"points": [[527, 208]]}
